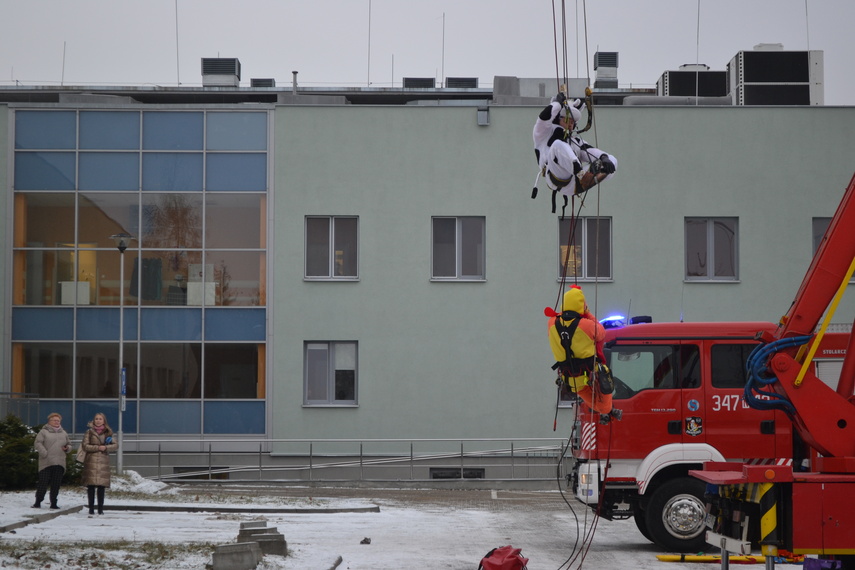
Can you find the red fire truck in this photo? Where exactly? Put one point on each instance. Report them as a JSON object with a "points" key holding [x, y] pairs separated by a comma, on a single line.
{"points": [[680, 387]]}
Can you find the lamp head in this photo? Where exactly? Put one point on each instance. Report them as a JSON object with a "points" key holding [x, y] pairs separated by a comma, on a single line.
{"points": [[122, 240]]}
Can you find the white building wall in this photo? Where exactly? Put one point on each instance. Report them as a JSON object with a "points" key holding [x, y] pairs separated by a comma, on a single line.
{"points": [[453, 360]]}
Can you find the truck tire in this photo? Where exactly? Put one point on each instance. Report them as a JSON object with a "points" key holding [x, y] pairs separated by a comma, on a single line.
{"points": [[641, 524], [675, 515]]}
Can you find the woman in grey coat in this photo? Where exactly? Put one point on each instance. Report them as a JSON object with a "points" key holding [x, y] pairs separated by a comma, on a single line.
{"points": [[98, 443], [52, 443]]}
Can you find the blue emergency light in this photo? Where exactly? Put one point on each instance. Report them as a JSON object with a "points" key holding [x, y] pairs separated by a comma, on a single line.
{"points": [[613, 322]]}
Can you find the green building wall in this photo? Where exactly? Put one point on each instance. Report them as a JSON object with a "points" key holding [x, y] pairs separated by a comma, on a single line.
{"points": [[452, 360]]}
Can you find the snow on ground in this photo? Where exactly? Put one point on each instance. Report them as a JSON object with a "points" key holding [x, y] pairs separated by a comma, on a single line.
{"points": [[401, 535]]}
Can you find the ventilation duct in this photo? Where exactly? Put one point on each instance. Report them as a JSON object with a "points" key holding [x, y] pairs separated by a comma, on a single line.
{"points": [[267, 82], [461, 82], [605, 67], [220, 72], [419, 83]]}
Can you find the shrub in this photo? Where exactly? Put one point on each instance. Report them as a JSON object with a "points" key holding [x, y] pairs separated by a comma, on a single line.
{"points": [[17, 454], [21, 460]]}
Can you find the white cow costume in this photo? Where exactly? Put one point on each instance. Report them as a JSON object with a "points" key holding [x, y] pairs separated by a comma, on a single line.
{"points": [[569, 164]]}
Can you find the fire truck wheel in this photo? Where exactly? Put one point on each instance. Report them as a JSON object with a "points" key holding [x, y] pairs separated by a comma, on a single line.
{"points": [[641, 523], [675, 515]]}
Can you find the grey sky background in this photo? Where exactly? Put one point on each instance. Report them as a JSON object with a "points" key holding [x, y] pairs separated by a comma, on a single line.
{"points": [[336, 43]]}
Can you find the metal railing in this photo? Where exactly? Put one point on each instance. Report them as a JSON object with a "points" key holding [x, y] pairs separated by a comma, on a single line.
{"points": [[350, 460], [23, 405]]}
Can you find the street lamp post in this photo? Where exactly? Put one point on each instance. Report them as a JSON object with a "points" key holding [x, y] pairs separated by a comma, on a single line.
{"points": [[122, 241]]}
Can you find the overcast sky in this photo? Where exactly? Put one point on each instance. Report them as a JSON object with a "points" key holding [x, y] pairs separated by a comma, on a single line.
{"points": [[352, 43]]}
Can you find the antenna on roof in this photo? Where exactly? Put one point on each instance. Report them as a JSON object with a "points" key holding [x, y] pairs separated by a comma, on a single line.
{"points": [[62, 76], [369, 44], [177, 61]]}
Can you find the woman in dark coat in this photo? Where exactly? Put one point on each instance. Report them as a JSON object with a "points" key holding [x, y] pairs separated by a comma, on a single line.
{"points": [[98, 443]]}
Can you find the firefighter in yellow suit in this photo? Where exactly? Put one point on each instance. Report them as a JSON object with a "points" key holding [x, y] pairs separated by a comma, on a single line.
{"points": [[576, 339]]}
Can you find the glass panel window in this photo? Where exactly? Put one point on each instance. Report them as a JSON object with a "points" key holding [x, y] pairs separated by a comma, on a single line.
{"points": [[110, 130], [234, 221], [171, 221], [35, 278], [163, 276], [60, 277], [44, 171], [109, 171], [169, 130], [232, 171], [233, 278], [172, 172], [818, 227], [44, 368], [711, 249], [331, 247], [237, 131], [47, 219], [235, 324], [653, 367], [728, 364], [176, 324], [234, 417], [98, 370], [45, 129], [587, 253], [459, 248], [170, 417], [330, 370], [103, 214], [170, 370], [231, 371]]}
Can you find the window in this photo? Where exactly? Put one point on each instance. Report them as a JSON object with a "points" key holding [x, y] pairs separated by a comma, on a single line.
{"points": [[588, 252], [458, 248], [191, 186], [331, 247], [711, 249], [728, 364], [653, 367], [330, 373], [818, 227]]}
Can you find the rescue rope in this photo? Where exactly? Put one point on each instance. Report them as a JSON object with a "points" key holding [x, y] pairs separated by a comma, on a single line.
{"points": [[579, 554]]}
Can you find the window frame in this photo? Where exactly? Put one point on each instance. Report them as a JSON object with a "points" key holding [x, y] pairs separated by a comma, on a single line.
{"points": [[711, 223], [459, 250], [331, 252], [586, 247], [331, 347]]}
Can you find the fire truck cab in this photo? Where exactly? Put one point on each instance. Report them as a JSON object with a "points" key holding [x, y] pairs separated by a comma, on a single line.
{"points": [[680, 387]]}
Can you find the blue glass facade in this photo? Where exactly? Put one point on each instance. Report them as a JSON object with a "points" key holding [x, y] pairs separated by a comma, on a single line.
{"points": [[191, 186]]}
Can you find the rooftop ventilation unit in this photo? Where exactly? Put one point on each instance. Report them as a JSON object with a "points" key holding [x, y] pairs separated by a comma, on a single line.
{"points": [[461, 82], [692, 80], [267, 82], [220, 72], [605, 66], [771, 76], [419, 83]]}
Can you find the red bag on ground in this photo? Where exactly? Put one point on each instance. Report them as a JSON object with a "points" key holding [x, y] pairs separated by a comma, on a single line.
{"points": [[503, 558]]}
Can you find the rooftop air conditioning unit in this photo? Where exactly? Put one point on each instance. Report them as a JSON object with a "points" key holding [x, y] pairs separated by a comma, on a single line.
{"points": [[605, 66], [267, 82], [692, 80], [419, 83], [775, 77], [461, 82], [220, 72]]}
